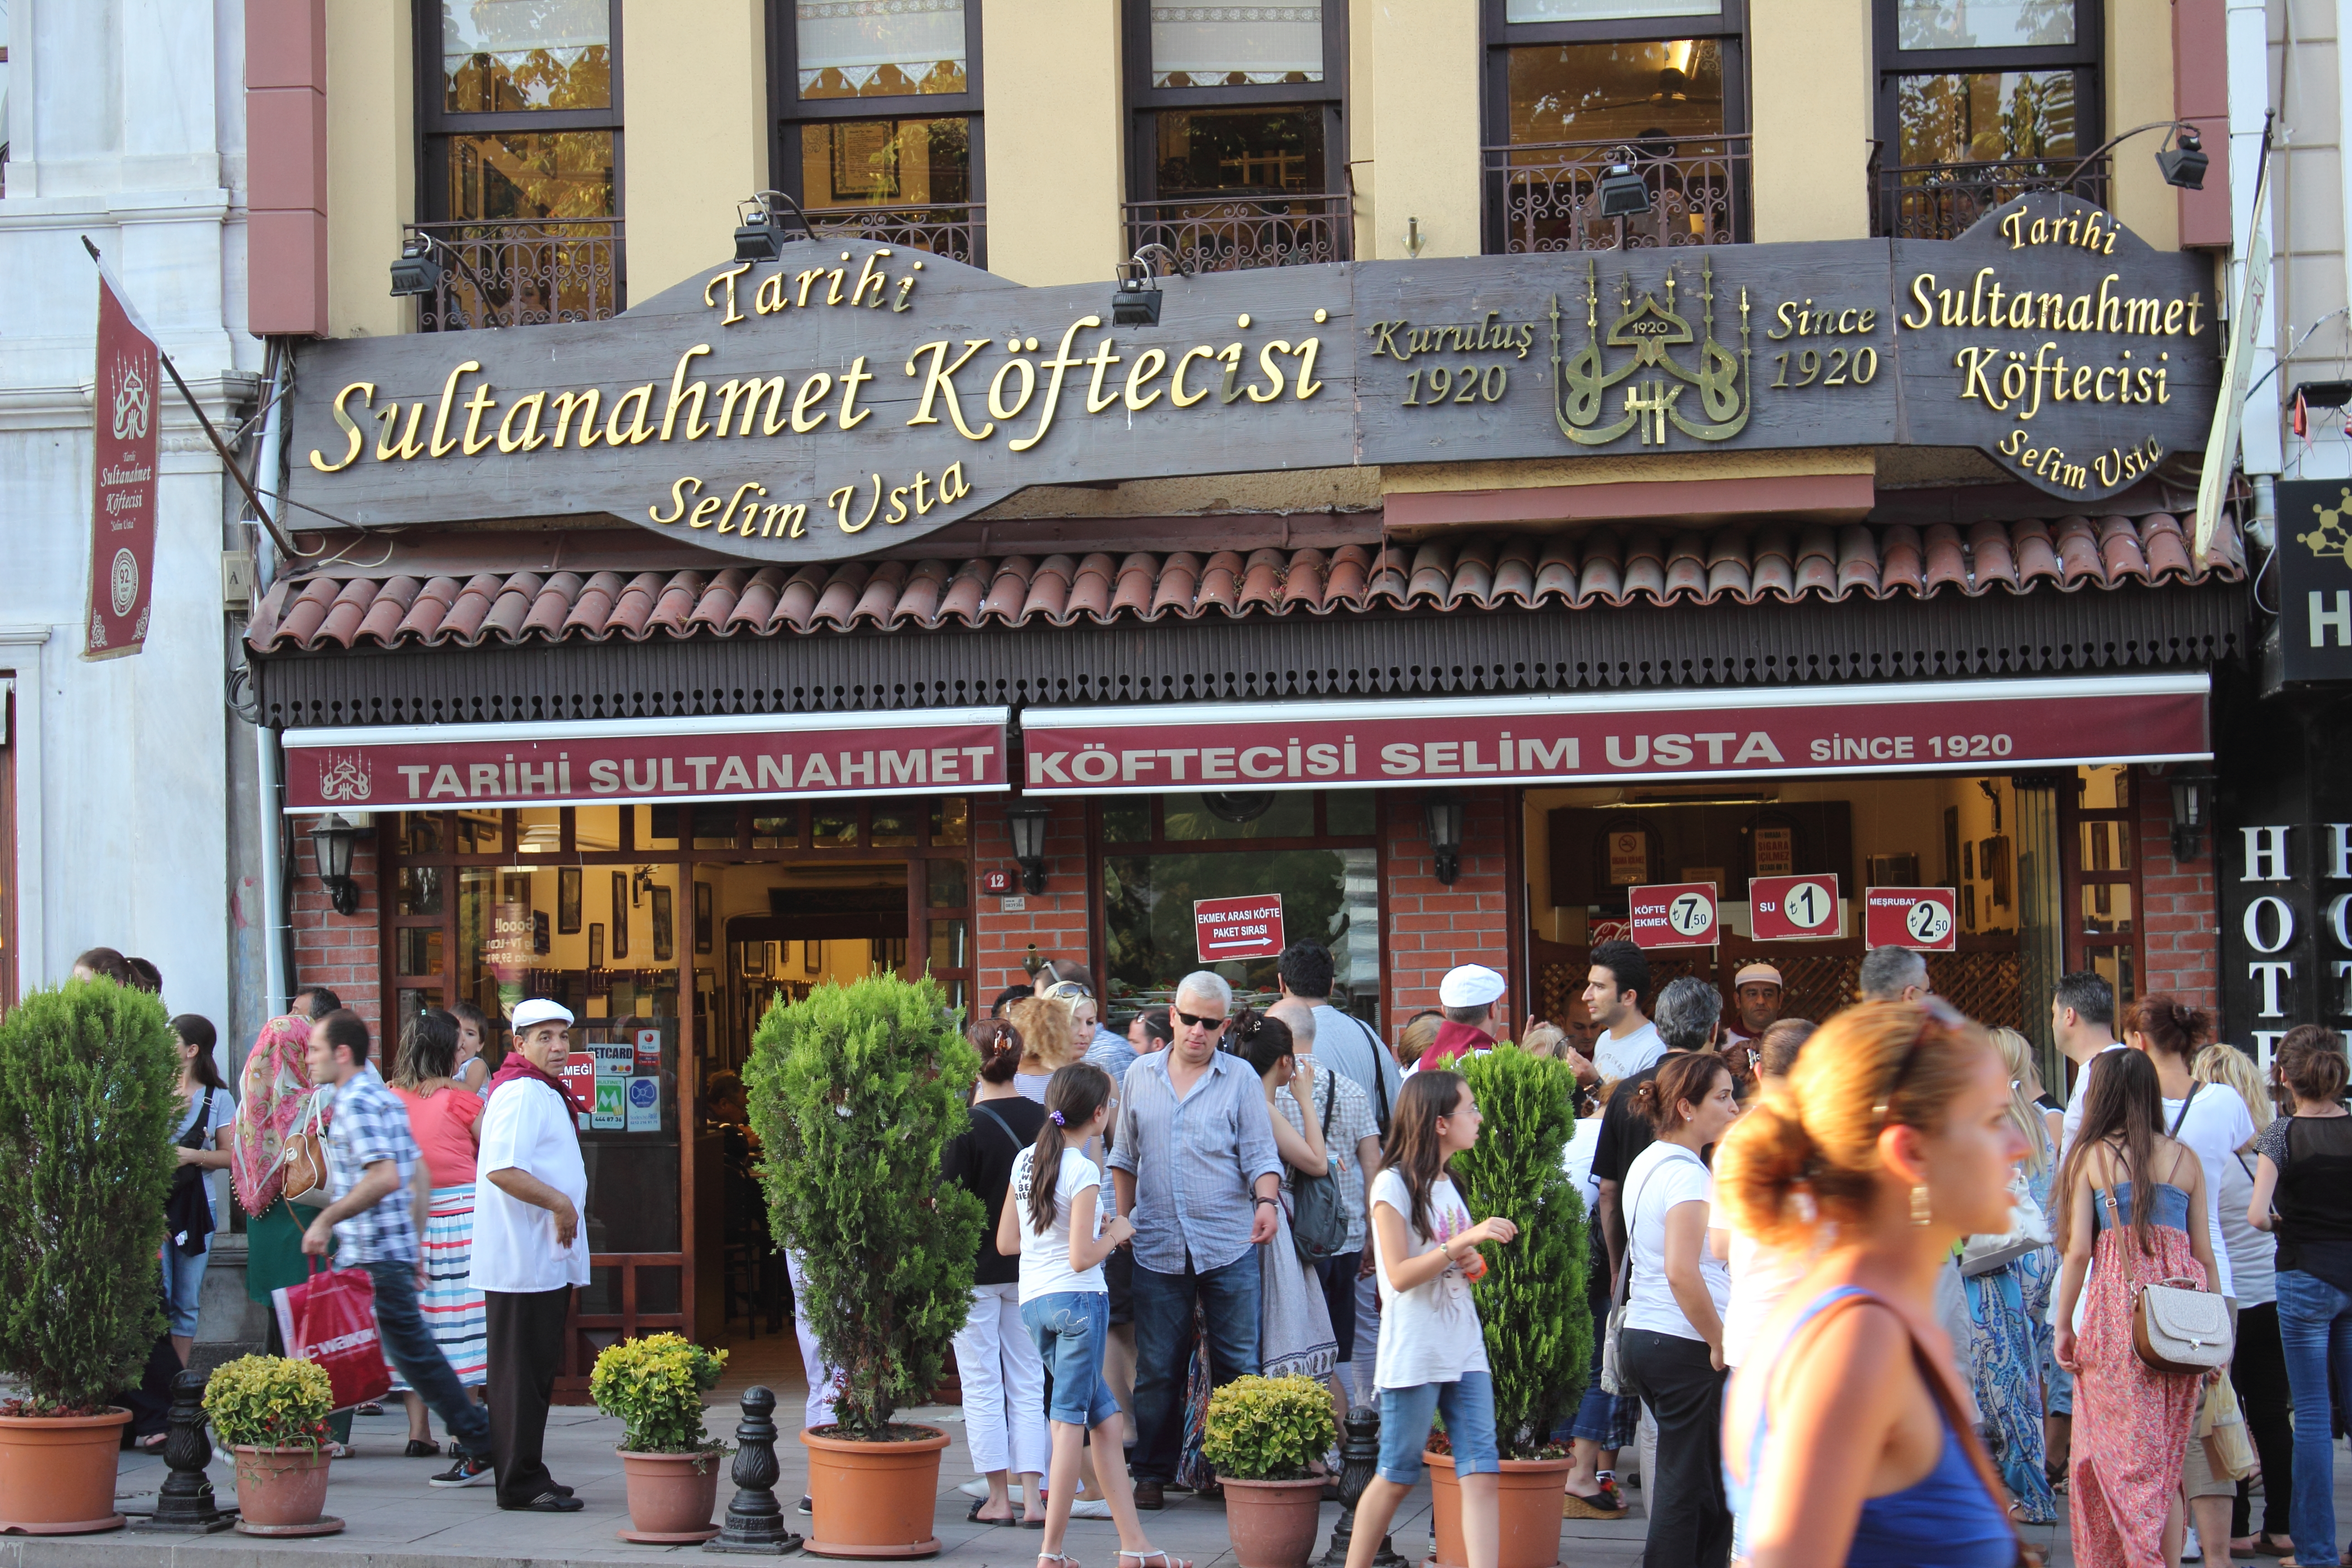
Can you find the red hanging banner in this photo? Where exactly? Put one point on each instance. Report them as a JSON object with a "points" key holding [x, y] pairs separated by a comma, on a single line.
{"points": [[122, 492]]}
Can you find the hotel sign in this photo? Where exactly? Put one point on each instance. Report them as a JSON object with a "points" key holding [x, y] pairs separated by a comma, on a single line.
{"points": [[851, 395]]}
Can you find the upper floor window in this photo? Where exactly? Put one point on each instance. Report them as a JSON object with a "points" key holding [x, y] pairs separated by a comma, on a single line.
{"points": [[1979, 100], [1238, 147], [1576, 86], [879, 130], [519, 120]]}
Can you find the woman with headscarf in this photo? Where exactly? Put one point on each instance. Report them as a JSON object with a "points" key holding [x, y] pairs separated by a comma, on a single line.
{"points": [[275, 1095]]}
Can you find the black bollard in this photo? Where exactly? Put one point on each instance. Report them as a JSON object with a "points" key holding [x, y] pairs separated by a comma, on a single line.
{"points": [[755, 1520], [1360, 1457], [184, 1503]]}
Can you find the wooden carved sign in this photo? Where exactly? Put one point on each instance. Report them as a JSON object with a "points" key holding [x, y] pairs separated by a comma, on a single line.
{"points": [[850, 395]]}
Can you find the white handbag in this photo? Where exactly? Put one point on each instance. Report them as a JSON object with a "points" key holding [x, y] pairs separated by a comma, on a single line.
{"points": [[2177, 1328]]}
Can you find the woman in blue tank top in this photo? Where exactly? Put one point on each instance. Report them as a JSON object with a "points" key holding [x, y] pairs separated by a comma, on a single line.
{"points": [[1891, 1136]]}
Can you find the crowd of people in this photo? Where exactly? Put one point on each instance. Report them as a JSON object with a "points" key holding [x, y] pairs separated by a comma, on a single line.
{"points": [[1890, 1200]]}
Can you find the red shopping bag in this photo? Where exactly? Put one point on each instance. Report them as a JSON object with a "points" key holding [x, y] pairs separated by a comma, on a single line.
{"points": [[329, 1318]]}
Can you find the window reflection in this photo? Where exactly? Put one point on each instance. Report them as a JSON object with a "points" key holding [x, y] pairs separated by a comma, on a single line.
{"points": [[872, 162], [1209, 151], [862, 49], [1516, 11], [1982, 24], [1235, 46], [1971, 117], [528, 174], [499, 56], [1647, 94], [1266, 814]]}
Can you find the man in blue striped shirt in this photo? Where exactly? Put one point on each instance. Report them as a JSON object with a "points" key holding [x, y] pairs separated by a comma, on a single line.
{"points": [[1195, 1168]]}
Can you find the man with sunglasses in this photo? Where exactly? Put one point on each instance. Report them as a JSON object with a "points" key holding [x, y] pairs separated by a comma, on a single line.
{"points": [[1194, 1167]]}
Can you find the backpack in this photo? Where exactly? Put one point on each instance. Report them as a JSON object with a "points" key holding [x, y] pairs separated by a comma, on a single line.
{"points": [[1318, 1223]]}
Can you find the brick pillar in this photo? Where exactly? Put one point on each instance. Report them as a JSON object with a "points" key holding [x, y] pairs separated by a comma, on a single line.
{"points": [[1433, 927], [2181, 915], [343, 953], [1053, 921]]}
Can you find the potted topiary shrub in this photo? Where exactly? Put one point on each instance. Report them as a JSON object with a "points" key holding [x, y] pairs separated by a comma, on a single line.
{"points": [[653, 1387], [87, 1098], [1265, 1437], [1531, 1300], [854, 1090], [272, 1413]]}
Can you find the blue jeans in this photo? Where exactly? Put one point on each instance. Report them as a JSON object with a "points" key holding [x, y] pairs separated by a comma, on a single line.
{"points": [[2314, 1321], [1163, 1346], [1468, 1408], [1071, 1327], [409, 1345], [183, 1281]]}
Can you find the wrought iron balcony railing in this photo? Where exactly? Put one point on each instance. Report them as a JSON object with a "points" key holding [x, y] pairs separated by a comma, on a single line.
{"points": [[957, 231], [1546, 196], [523, 272], [1942, 201], [1234, 234]]}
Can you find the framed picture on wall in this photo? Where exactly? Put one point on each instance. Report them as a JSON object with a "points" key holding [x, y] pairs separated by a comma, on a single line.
{"points": [[1993, 861], [620, 914], [813, 958], [567, 902], [702, 917], [514, 887], [754, 961], [665, 925], [595, 945], [542, 945]]}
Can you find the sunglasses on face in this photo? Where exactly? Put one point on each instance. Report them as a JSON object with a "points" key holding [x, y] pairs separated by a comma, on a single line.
{"points": [[1203, 1019]]}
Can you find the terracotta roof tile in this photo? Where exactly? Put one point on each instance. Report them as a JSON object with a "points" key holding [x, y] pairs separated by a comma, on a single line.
{"points": [[1597, 569]]}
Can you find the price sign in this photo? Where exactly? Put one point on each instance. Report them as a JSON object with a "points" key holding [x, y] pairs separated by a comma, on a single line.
{"points": [[1673, 915], [1792, 909], [1920, 918]]}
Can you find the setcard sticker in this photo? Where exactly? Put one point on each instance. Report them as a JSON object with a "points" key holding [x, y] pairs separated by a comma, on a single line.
{"points": [[1673, 914], [614, 1059], [1247, 927], [644, 1105]]}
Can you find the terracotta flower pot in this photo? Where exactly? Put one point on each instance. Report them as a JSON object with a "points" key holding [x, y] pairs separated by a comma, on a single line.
{"points": [[671, 1496], [281, 1487], [57, 1473], [1528, 1492], [874, 1500], [1273, 1523]]}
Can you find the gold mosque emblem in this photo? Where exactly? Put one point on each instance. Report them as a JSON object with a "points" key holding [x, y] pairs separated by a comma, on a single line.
{"points": [[1583, 381], [2330, 534]]}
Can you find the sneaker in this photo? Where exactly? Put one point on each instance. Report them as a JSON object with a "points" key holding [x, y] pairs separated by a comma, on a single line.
{"points": [[465, 1472], [975, 1488], [806, 1506], [2190, 1550], [1089, 1508]]}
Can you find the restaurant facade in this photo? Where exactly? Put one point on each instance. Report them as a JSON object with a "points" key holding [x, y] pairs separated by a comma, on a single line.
{"points": [[845, 604]]}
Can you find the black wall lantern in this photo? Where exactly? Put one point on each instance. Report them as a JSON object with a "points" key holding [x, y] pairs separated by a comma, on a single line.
{"points": [[1444, 814], [1028, 824], [331, 839], [2192, 812], [418, 271], [759, 227], [1623, 193]]}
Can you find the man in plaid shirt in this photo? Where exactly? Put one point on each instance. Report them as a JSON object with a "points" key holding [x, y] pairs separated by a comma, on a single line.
{"points": [[372, 1224]]}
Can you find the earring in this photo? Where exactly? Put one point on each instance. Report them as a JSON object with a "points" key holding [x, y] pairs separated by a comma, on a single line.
{"points": [[1919, 1204]]}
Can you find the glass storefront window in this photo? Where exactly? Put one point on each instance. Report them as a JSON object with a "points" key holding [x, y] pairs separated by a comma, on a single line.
{"points": [[1649, 94], [775, 826], [539, 830], [417, 891], [480, 833], [1266, 813], [1127, 821], [951, 820], [2106, 908], [1518, 11], [833, 827], [859, 48], [887, 162], [656, 826], [530, 175], [416, 950], [501, 55], [2105, 789], [1220, 151], [419, 833], [595, 829], [893, 828], [1980, 23], [1235, 46], [1973, 117], [1350, 814], [2107, 846], [950, 886]]}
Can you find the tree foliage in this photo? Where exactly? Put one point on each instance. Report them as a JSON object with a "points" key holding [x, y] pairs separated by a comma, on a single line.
{"points": [[854, 1093], [1537, 1323], [89, 1096]]}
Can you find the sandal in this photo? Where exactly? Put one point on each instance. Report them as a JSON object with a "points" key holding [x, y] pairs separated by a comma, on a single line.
{"points": [[1056, 1557], [1603, 1504], [971, 1515], [1165, 1560], [2267, 1545], [421, 1448], [151, 1444]]}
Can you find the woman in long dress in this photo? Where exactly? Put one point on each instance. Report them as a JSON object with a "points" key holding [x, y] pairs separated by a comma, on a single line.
{"points": [[2006, 1304], [445, 1119]]}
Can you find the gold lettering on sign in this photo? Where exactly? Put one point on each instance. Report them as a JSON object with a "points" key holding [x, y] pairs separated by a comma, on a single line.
{"points": [[941, 378], [408, 446], [530, 440], [354, 439]]}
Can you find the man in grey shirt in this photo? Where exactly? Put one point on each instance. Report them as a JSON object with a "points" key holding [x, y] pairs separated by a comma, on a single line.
{"points": [[1194, 1167]]}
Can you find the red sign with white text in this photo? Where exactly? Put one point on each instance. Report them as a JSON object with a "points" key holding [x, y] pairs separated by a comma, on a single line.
{"points": [[1795, 909], [1238, 928], [648, 761], [1779, 731], [122, 492], [1673, 915], [1920, 918], [579, 1076]]}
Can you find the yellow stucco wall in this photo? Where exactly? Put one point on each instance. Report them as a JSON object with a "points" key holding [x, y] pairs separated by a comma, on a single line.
{"points": [[1054, 136], [1422, 135], [1812, 93], [2138, 78], [371, 165], [694, 105]]}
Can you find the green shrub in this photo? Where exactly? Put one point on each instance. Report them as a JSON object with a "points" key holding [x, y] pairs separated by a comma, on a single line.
{"points": [[854, 1093], [88, 1081], [1538, 1326], [269, 1402], [653, 1387], [1268, 1428]]}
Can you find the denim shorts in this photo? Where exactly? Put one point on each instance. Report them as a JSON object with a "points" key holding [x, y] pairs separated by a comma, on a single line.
{"points": [[183, 1281], [1071, 1327], [1468, 1408]]}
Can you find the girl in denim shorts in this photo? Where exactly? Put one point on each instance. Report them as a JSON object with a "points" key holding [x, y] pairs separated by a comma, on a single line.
{"points": [[1053, 1218], [1433, 1352]]}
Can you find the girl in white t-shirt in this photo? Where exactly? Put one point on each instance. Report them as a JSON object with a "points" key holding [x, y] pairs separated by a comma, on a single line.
{"points": [[1052, 1217], [1433, 1352]]}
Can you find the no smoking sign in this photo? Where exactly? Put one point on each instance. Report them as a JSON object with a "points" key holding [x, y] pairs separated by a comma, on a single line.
{"points": [[1922, 918], [1794, 909]]}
